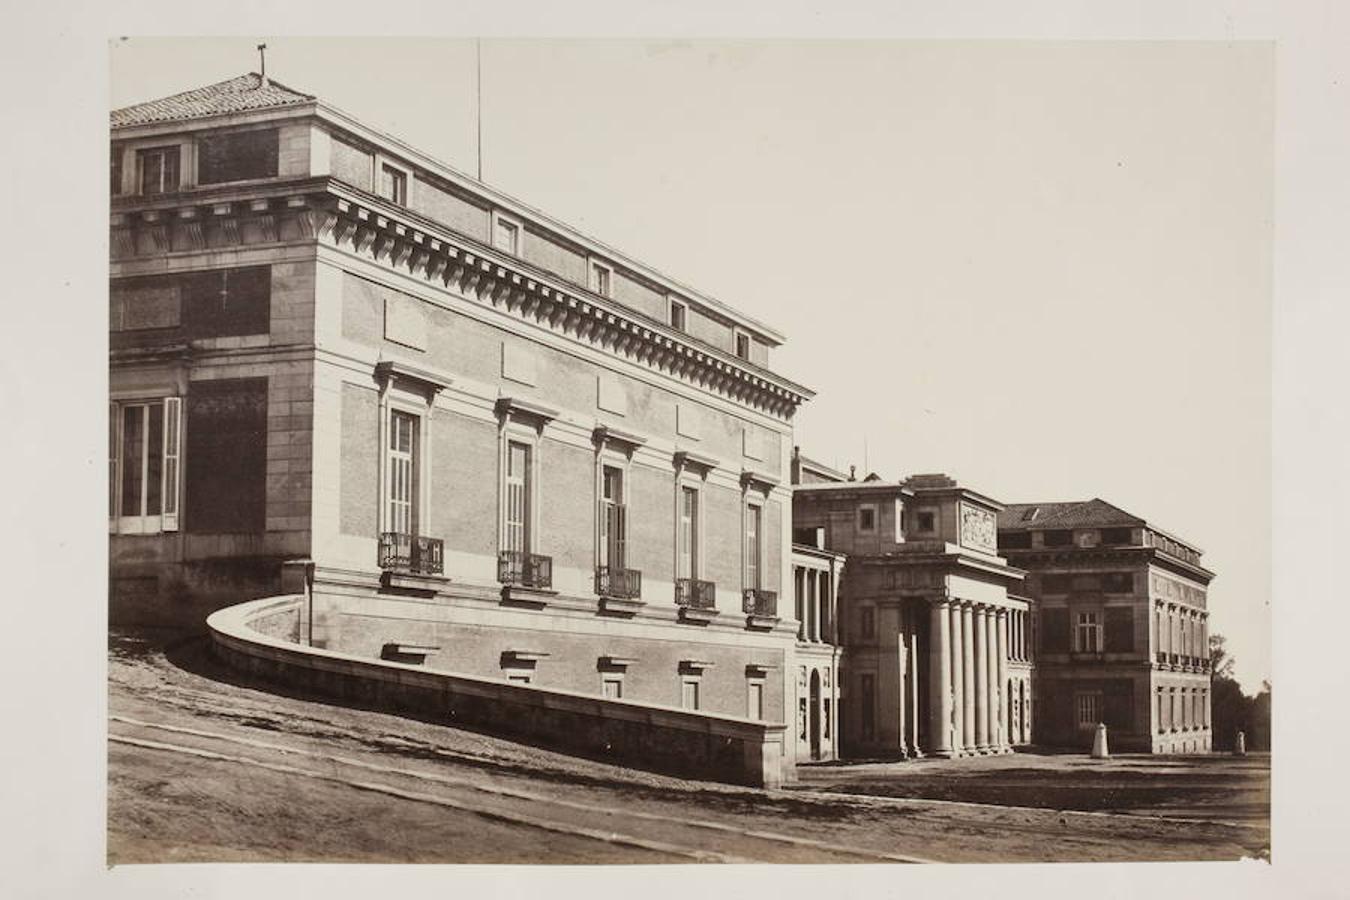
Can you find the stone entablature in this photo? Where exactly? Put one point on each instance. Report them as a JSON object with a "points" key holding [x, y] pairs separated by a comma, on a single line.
{"points": [[325, 211]]}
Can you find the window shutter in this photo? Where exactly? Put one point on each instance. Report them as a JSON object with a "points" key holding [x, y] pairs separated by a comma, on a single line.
{"points": [[1055, 631], [621, 536], [172, 460], [1119, 629]]}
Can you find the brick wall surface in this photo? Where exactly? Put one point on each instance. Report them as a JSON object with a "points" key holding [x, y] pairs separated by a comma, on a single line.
{"points": [[554, 257], [450, 209], [464, 483], [350, 164], [566, 517]]}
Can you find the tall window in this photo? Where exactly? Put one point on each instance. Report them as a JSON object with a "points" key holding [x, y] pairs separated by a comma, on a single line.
{"points": [[1087, 636], [612, 686], [601, 277], [753, 546], [403, 475], [159, 170], [1088, 707], [518, 497], [394, 184], [867, 699], [613, 519], [687, 564], [755, 702], [743, 346], [143, 465]]}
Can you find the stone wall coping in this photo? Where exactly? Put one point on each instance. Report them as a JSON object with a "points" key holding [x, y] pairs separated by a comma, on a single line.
{"points": [[231, 626]]}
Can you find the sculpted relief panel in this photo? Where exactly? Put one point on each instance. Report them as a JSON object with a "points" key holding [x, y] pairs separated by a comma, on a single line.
{"points": [[978, 529]]}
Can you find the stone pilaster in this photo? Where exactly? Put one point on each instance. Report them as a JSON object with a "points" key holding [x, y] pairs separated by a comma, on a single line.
{"points": [[940, 698]]}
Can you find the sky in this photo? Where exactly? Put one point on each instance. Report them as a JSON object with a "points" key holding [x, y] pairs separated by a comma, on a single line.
{"points": [[1042, 268]]}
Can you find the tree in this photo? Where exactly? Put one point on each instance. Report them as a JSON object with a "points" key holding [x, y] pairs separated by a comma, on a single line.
{"points": [[1231, 710]]}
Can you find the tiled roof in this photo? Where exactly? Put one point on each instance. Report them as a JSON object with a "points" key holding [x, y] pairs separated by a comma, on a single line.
{"points": [[1094, 513], [242, 94]]}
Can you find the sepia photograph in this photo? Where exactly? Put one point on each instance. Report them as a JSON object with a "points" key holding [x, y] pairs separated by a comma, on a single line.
{"points": [[675, 451]]}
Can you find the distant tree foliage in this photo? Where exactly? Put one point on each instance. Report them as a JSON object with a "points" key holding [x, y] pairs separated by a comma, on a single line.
{"points": [[1232, 710]]}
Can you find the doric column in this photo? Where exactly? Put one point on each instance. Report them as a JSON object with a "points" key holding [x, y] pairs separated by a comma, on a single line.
{"points": [[991, 673], [939, 657], [981, 681], [968, 741], [889, 688], [1005, 700], [958, 679]]}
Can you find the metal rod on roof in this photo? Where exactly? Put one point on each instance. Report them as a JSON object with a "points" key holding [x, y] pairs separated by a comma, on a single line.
{"points": [[262, 64], [478, 114]]}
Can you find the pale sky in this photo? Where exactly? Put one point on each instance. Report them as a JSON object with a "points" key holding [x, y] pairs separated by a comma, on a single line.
{"points": [[1044, 269]]}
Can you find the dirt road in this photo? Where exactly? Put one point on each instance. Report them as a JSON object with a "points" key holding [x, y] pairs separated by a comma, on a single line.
{"points": [[206, 766]]}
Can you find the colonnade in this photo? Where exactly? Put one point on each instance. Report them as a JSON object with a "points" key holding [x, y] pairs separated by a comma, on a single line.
{"points": [[968, 710]]}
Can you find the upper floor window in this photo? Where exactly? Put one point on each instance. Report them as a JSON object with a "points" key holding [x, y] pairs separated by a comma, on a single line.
{"points": [[687, 539], [678, 314], [867, 623], [394, 184], [505, 235], [159, 169], [1116, 536], [1015, 540], [237, 156], [1087, 635], [867, 518], [613, 519], [402, 461], [743, 345], [754, 520], [601, 278], [517, 524], [925, 521], [1059, 538]]}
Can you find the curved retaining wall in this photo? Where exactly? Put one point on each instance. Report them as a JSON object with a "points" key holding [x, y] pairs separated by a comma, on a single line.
{"points": [[261, 637]]}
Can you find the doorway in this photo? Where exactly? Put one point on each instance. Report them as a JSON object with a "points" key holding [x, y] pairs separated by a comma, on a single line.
{"points": [[814, 714]]}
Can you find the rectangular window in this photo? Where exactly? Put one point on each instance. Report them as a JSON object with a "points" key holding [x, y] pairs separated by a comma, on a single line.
{"points": [[144, 461], [506, 236], [237, 156], [1116, 536], [394, 184], [927, 522], [159, 169], [613, 519], [867, 518], [612, 686], [867, 699], [687, 564], [1089, 709], [403, 473], [678, 312], [689, 694], [1087, 636], [867, 623], [600, 279], [1061, 538], [1015, 540], [518, 497], [743, 346], [755, 703], [226, 449], [115, 170], [753, 549]]}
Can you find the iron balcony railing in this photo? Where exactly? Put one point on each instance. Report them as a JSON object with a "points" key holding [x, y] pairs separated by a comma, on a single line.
{"points": [[695, 594], [621, 584], [411, 553], [759, 602], [524, 569]]}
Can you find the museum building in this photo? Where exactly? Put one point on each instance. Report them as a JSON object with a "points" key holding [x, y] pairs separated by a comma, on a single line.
{"points": [[478, 439]]}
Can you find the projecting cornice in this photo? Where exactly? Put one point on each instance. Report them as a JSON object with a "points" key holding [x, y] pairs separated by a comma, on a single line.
{"points": [[334, 215]]}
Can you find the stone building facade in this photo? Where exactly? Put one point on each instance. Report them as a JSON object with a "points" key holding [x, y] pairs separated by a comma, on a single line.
{"points": [[489, 443], [934, 635], [1123, 633]]}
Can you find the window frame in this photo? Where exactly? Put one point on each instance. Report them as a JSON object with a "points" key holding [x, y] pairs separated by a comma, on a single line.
{"points": [[739, 335], [691, 681], [752, 683], [1087, 622], [383, 162], [753, 557], [501, 221], [393, 400], [867, 508], [1090, 701], [686, 481], [601, 286], [170, 476], [143, 153], [608, 459], [672, 305]]}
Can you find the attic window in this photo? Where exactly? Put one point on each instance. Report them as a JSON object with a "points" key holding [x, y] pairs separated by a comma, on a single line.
{"points": [[159, 169], [1031, 514], [394, 184], [600, 278], [677, 315], [743, 345]]}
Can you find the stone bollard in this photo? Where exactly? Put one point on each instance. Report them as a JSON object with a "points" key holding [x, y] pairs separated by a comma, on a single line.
{"points": [[1240, 744], [1099, 750]]}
